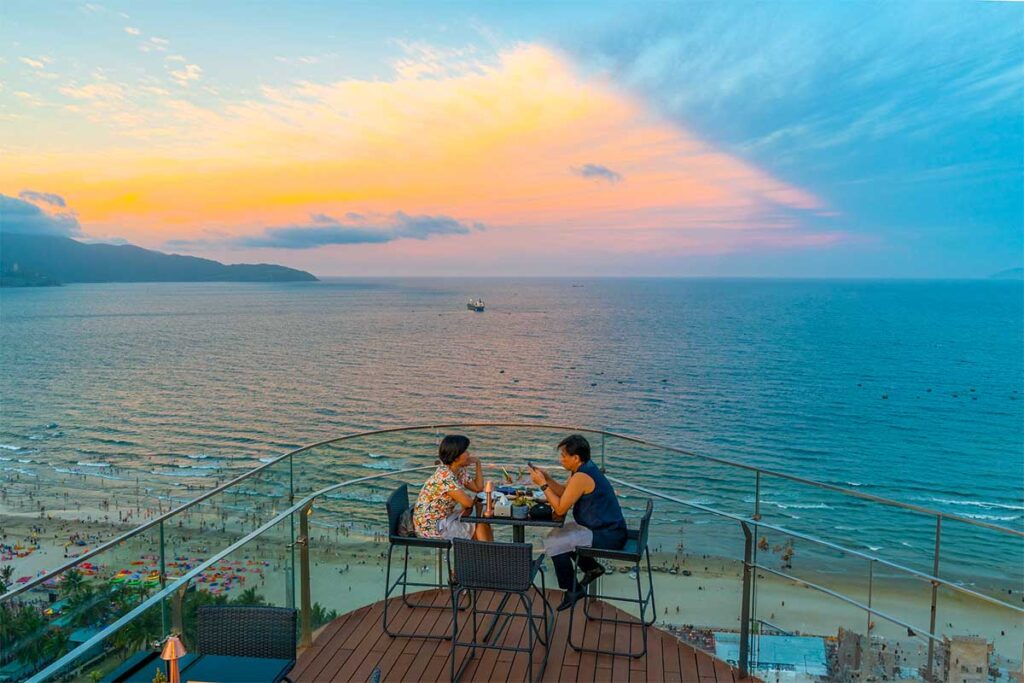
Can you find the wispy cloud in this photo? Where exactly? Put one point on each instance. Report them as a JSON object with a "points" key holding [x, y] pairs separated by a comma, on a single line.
{"points": [[187, 74], [99, 91], [304, 59], [37, 63], [28, 98], [45, 197], [597, 172], [132, 31], [324, 230], [422, 60]]}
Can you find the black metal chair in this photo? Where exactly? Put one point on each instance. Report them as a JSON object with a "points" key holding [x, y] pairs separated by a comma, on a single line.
{"points": [[634, 551], [248, 631], [397, 504], [507, 568]]}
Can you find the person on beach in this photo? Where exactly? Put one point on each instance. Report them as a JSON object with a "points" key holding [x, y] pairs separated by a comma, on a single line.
{"points": [[599, 521], [442, 501]]}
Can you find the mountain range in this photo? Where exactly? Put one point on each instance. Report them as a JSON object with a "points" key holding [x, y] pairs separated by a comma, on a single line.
{"points": [[42, 260]]}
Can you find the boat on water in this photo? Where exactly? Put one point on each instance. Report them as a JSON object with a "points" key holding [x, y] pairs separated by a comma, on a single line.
{"points": [[475, 305]]}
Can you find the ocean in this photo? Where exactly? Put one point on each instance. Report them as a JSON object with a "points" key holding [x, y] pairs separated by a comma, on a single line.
{"points": [[912, 390]]}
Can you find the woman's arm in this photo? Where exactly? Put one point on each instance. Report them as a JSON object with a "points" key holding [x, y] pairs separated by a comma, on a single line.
{"points": [[460, 497], [475, 483], [478, 478]]}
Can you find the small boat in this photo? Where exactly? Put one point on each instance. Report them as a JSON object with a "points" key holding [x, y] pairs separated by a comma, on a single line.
{"points": [[475, 305]]}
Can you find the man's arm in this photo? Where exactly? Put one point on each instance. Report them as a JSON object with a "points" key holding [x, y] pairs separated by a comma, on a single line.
{"points": [[577, 486], [546, 478]]}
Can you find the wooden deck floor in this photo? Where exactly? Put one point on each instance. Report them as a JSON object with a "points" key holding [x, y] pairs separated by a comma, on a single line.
{"points": [[352, 646]]}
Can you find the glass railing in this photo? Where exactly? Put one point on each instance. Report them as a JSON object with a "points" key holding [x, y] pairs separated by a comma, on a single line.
{"points": [[820, 558], [815, 605]]}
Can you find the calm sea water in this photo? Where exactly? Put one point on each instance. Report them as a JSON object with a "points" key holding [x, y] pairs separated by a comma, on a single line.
{"points": [[910, 390]]}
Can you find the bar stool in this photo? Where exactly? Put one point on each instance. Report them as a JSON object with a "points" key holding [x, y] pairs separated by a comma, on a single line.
{"points": [[507, 568], [396, 505], [634, 551]]}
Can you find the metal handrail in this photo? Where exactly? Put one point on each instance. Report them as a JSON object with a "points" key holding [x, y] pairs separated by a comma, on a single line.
{"points": [[171, 588], [256, 470], [528, 425], [183, 580], [924, 576], [856, 603]]}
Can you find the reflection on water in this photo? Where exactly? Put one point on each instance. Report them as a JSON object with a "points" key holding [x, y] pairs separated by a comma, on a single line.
{"points": [[908, 390]]}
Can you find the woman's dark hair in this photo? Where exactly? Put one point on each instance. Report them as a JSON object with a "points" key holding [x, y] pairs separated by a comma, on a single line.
{"points": [[452, 446], [576, 445]]}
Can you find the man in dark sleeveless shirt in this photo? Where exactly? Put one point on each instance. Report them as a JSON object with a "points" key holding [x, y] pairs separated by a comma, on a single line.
{"points": [[599, 522]]}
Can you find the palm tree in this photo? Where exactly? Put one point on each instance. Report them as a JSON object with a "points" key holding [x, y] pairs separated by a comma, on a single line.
{"points": [[194, 599], [72, 583], [6, 573], [138, 633], [29, 640], [88, 605], [249, 597], [320, 615], [55, 643], [8, 621]]}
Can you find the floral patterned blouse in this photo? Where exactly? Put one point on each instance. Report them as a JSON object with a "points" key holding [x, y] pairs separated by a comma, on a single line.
{"points": [[434, 503]]}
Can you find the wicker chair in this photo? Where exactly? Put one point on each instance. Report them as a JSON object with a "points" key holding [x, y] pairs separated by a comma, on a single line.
{"points": [[247, 631], [634, 551], [397, 503], [507, 568]]}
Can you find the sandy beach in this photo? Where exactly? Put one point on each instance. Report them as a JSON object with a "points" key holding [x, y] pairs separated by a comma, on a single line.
{"points": [[348, 571]]}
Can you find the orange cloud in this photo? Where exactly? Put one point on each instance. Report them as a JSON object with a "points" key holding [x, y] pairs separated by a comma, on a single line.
{"points": [[501, 144]]}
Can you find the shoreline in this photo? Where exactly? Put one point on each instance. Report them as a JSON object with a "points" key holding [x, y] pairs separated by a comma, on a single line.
{"points": [[344, 563]]}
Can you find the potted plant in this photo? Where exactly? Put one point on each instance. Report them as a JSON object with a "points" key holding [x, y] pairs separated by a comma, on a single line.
{"points": [[521, 506]]}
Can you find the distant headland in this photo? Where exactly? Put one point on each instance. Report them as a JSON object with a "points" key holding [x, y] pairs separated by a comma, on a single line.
{"points": [[1011, 274], [46, 260]]}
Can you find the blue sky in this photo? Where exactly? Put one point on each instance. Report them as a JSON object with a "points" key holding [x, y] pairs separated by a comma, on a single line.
{"points": [[852, 139], [907, 116]]}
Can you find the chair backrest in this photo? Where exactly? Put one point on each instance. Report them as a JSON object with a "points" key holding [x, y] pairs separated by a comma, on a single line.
{"points": [[481, 565], [645, 526], [397, 503], [246, 631]]}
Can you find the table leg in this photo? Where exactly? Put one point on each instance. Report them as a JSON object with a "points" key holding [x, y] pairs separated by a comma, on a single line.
{"points": [[518, 533]]}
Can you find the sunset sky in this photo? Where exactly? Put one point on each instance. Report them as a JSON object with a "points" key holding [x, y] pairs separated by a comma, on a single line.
{"points": [[523, 139]]}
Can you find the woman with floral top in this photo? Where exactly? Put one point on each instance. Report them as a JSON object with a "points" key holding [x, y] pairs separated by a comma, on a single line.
{"points": [[442, 501]]}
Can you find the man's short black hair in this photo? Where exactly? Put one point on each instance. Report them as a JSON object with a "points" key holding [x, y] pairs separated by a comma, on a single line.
{"points": [[576, 445], [452, 446]]}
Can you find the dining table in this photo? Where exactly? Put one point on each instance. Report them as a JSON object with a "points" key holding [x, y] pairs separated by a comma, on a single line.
{"points": [[518, 524]]}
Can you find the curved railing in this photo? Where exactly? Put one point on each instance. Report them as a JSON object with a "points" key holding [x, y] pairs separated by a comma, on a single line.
{"points": [[733, 513], [288, 458], [178, 586]]}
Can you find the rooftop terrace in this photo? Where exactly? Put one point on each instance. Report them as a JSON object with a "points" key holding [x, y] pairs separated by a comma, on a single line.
{"points": [[736, 550]]}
